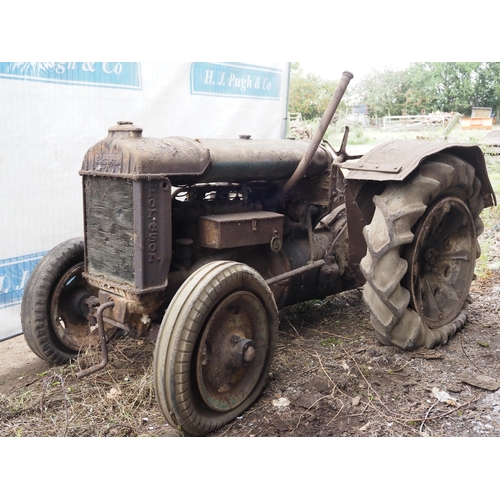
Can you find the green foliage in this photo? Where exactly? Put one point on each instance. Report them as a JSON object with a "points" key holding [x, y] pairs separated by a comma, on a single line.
{"points": [[429, 87], [309, 94], [357, 135], [383, 92], [455, 86], [331, 342]]}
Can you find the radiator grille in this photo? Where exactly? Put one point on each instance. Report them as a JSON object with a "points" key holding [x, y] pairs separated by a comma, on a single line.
{"points": [[109, 227]]}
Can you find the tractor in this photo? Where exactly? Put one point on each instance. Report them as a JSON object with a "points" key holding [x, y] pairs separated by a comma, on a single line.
{"points": [[198, 243]]}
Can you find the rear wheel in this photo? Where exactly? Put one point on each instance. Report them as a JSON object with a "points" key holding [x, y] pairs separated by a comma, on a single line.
{"points": [[214, 347], [54, 309], [441, 261], [422, 248]]}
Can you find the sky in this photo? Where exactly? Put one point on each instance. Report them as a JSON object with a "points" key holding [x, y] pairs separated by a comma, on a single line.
{"points": [[367, 33], [360, 68]]}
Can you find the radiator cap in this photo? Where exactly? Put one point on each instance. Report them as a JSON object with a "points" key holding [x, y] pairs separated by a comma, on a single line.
{"points": [[125, 128]]}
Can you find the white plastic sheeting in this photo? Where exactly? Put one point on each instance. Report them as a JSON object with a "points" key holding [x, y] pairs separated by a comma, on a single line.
{"points": [[53, 112]]}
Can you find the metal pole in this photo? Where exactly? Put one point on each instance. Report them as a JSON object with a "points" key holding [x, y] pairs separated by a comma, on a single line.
{"points": [[301, 169], [104, 347]]}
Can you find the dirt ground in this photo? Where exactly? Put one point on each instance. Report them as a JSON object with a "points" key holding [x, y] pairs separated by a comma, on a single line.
{"points": [[329, 377]]}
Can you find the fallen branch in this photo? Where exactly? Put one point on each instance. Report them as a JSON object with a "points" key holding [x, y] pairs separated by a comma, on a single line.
{"points": [[467, 356], [437, 417]]}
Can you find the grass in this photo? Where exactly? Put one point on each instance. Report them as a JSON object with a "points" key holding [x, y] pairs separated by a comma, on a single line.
{"points": [[487, 260], [493, 165], [361, 136], [116, 401], [331, 342]]}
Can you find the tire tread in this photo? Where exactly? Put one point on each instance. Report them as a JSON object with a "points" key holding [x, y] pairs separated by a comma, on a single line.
{"points": [[397, 210]]}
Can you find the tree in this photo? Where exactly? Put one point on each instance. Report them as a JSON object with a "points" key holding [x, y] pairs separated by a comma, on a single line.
{"points": [[421, 82], [487, 88], [383, 92], [443, 86], [422, 88], [452, 86], [309, 94]]}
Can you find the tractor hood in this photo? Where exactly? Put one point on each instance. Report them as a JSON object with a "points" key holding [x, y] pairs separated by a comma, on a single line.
{"points": [[126, 153]]}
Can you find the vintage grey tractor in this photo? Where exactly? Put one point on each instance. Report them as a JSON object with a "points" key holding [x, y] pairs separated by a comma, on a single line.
{"points": [[197, 243]]}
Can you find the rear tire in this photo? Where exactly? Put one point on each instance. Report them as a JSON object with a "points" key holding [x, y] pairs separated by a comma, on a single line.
{"points": [[413, 298]]}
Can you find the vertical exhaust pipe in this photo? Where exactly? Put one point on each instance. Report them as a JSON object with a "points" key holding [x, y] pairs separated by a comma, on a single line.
{"points": [[302, 167]]}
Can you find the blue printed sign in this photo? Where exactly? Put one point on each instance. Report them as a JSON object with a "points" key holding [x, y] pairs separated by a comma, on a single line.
{"points": [[235, 80], [14, 274], [125, 75]]}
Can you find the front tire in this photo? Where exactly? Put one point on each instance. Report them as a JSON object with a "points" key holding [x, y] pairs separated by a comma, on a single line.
{"points": [[214, 347], [421, 251], [53, 309]]}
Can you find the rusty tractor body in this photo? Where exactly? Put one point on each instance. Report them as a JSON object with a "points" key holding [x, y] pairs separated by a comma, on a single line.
{"points": [[198, 243]]}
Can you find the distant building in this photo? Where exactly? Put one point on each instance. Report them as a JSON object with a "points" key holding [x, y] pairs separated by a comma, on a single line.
{"points": [[359, 115], [481, 119]]}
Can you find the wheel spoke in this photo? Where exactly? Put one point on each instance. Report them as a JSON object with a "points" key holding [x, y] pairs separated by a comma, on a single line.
{"points": [[429, 303], [441, 261], [463, 255], [442, 284], [444, 231], [440, 296]]}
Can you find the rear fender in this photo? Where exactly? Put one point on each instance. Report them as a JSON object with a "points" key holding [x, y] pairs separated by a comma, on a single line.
{"points": [[396, 160]]}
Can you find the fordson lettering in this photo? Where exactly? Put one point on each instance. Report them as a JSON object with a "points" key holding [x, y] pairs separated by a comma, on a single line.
{"points": [[152, 226]]}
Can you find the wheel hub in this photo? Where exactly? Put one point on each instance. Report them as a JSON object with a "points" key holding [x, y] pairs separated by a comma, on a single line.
{"points": [[441, 261], [243, 351], [70, 310], [232, 351]]}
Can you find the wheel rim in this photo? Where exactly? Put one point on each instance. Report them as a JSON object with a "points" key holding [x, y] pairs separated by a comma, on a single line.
{"points": [[232, 351], [441, 261], [70, 310]]}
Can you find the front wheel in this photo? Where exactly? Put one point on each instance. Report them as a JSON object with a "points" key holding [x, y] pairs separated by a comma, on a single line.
{"points": [[54, 308], [214, 347], [421, 253]]}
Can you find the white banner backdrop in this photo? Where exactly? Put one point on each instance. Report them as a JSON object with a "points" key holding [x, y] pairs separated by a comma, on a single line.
{"points": [[53, 112]]}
